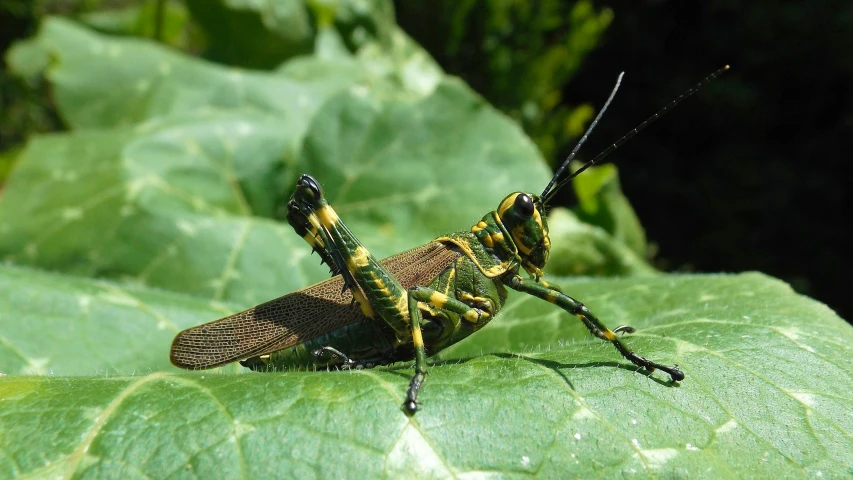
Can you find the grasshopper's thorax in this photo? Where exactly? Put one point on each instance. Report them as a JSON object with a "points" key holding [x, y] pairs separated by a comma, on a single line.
{"points": [[517, 232]]}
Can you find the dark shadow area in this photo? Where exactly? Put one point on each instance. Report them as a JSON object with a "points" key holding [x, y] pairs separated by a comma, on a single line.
{"points": [[404, 369], [753, 173], [557, 367]]}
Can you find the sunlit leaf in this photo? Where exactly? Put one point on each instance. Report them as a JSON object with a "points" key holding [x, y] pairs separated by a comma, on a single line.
{"points": [[765, 393]]}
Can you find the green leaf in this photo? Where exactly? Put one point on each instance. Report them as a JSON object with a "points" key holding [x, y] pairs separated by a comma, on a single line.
{"points": [[102, 81], [141, 20], [172, 205], [601, 202], [253, 34], [171, 185], [188, 203], [403, 173], [187, 196], [519, 55], [275, 31], [579, 248], [766, 393], [7, 161], [62, 325]]}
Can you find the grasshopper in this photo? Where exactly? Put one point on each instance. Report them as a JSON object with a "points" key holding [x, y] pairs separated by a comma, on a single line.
{"points": [[376, 312]]}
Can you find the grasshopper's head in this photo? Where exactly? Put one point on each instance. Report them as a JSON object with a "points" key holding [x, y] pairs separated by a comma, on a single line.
{"points": [[523, 216]]}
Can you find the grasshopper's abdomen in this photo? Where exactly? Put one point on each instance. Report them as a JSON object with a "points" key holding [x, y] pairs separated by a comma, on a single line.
{"points": [[365, 342]]}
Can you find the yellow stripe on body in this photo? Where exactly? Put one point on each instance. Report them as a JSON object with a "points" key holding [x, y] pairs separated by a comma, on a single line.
{"points": [[450, 281], [494, 270], [493, 239], [507, 203], [327, 216], [552, 297], [467, 297], [313, 240], [363, 304], [380, 284], [517, 235], [487, 241], [312, 218], [403, 307], [417, 338], [472, 316], [479, 226], [491, 272], [438, 300], [360, 259]]}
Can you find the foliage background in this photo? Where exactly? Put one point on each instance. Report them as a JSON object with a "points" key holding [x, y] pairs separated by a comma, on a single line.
{"points": [[751, 175], [754, 174], [171, 194]]}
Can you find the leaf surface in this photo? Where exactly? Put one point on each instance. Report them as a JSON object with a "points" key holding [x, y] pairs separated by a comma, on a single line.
{"points": [[170, 187], [761, 384]]}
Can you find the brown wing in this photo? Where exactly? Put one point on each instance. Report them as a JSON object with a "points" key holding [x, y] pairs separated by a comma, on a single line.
{"points": [[299, 316]]}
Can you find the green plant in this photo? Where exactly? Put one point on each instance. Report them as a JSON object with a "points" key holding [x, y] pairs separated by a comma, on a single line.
{"points": [[519, 55], [159, 210]]}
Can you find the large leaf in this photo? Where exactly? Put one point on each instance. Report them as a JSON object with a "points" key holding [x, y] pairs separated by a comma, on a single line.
{"points": [[579, 248], [104, 81], [254, 34], [141, 20], [264, 34], [766, 394], [169, 206], [171, 186], [601, 202], [188, 199], [54, 324], [187, 204]]}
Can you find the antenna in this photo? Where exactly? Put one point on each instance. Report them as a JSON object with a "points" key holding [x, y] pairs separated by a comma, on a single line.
{"points": [[547, 195], [584, 137]]}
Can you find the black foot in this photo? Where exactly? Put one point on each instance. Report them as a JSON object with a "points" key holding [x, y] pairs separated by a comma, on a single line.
{"points": [[410, 406], [675, 374], [624, 329], [411, 403], [335, 353]]}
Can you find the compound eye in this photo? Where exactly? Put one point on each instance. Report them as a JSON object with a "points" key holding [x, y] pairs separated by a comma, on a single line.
{"points": [[524, 204]]}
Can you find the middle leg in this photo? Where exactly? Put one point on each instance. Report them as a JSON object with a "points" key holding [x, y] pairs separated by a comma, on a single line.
{"points": [[440, 301]]}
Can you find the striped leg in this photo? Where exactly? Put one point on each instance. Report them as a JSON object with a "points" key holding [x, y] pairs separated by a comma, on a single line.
{"points": [[378, 293], [594, 325], [438, 301]]}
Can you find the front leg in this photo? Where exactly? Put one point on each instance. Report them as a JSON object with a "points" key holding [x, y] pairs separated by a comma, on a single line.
{"points": [[438, 301], [578, 309]]}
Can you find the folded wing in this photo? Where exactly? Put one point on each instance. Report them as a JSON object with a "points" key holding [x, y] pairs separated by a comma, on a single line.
{"points": [[299, 316]]}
